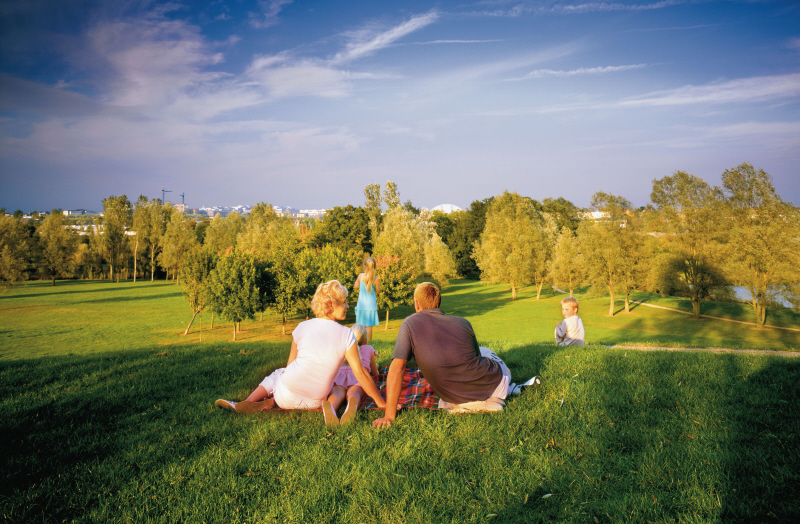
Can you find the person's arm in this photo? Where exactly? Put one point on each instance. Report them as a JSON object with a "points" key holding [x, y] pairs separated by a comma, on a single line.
{"points": [[292, 353], [561, 332], [358, 279], [373, 366], [394, 382], [363, 378], [377, 284]]}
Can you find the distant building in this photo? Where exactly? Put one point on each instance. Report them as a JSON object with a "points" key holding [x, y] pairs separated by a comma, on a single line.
{"points": [[70, 212], [311, 213], [180, 207], [447, 208]]}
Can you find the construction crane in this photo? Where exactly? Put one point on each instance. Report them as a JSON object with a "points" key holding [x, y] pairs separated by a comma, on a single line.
{"points": [[182, 200], [163, 198]]}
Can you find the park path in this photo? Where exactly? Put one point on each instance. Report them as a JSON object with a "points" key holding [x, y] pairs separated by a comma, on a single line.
{"points": [[703, 316], [777, 353]]}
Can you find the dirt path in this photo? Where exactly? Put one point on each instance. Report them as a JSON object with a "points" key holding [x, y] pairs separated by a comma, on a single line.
{"points": [[710, 316]]}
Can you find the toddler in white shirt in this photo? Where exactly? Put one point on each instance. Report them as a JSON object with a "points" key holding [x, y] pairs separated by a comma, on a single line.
{"points": [[570, 332]]}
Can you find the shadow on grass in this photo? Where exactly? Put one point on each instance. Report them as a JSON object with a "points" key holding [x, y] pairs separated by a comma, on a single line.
{"points": [[471, 298], [78, 426], [58, 289]]}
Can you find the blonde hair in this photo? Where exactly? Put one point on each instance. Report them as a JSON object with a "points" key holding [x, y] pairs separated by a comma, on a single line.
{"points": [[361, 334], [571, 300], [427, 295], [369, 272], [325, 297]]}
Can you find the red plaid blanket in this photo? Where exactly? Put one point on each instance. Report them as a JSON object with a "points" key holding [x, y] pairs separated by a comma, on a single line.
{"points": [[416, 392]]}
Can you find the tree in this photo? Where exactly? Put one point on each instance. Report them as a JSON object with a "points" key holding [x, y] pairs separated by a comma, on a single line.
{"points": [[292, 274], [764, 248], [468, 226], [391, 195], [567, 268], [158, 216], [372, 204], [117, 216], [195, 270], [140, 225], [692, 224], [59, 242], [415, 240], [233, 287], [344, 226], [397, 283], [505, 251], [178, 240], [14, 244], [223, 232], [565, 213]]}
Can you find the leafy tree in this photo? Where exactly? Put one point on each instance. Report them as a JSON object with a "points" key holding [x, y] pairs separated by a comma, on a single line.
{"points": [[691, 223], [391, 195], [567, 267], [292, 273], [338, 263], [195, 270], [372, 204], [764, 248], [59, 242], [505, 251], [117, 216], [233, 287], [565, 213], [262, 231], [14, 243], [468, 226], [445, 225], [154, 225], [408, 206], [18, 214], [140, 225], [344, 226], [223, 232], [397, 283], [415, 240], [612, 247], [178, 240]]}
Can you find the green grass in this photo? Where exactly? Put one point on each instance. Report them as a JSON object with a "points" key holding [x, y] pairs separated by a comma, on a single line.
{"points": [[103, 430]]}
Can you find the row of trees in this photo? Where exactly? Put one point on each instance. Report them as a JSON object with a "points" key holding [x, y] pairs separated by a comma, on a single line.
{"points": [[693, 240]]}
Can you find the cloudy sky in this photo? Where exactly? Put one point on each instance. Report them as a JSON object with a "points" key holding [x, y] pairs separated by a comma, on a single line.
{"points": [[303, 103]]}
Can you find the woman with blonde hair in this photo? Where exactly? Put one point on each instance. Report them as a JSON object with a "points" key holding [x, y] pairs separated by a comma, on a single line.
{"points": [[368, 288], [319, 346]]}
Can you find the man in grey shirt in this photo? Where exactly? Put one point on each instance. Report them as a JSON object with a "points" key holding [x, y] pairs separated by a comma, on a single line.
{"points": [[465, 376]]}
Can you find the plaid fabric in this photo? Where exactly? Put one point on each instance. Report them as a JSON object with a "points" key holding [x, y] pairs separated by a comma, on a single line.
{"points": [[416, 392]]}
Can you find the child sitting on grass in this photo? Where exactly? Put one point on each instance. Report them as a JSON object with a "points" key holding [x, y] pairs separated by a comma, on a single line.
{"points": [[345, 379], [570, 332]]}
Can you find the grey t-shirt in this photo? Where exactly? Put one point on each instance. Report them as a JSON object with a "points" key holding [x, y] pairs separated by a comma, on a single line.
{"points": [[448, 356]]}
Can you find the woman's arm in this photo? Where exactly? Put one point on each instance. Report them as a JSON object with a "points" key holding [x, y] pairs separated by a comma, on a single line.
{"points": [[292, 353], [364, 380]]}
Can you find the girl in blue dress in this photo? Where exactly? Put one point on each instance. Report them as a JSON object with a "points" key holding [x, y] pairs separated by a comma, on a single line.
{"points": [[368, 288]]}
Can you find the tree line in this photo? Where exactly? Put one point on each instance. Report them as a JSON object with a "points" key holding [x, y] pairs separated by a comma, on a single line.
{"points": [[692, 239]]}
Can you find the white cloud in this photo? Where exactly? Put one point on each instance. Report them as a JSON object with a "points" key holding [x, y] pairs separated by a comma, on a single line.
{"points": [[365, 43], [543, 73], [755, 89], [269, 13], [612, 6], [793, 43]]}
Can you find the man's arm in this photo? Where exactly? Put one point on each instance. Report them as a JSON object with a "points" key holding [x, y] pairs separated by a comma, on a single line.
{"points": [[394, 381]]}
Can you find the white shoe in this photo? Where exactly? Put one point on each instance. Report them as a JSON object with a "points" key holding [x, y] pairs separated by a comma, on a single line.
{"points": [[514, 389], [225, 404]]}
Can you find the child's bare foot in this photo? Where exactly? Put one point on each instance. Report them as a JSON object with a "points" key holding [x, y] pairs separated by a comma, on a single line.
{"points": [[349, 413], [329, 414]]}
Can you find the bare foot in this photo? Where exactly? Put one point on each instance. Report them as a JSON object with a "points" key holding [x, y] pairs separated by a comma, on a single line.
{"points": [[247, 406], [349, 413]]}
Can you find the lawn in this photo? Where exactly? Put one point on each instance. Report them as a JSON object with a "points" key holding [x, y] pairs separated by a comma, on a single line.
{"points": [[109, 417]]}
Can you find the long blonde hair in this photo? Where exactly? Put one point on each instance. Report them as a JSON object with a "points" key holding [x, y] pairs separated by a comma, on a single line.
{"points": [[369, 272]]}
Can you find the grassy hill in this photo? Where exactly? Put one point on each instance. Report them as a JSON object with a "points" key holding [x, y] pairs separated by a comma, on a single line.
{"points": [[108, 417]]}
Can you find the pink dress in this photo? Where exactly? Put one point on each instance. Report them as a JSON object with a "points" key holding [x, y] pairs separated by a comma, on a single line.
{"points": [[345, 377]]}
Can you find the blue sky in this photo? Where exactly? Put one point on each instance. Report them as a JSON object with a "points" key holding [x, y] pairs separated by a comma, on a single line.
{"points": [[303, 103]]}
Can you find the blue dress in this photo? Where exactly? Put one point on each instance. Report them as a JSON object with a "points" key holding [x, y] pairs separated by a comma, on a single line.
{"points": [[367, 307]]}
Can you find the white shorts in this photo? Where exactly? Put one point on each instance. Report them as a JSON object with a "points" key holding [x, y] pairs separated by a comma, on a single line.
{"points": [[283, 397]]}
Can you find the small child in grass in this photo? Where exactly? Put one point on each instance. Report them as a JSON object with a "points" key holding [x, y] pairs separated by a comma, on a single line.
{"points": [[345, 384], [570, 332]]}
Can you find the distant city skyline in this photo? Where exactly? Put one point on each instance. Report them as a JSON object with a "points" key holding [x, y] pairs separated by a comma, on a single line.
{"points": [[308, 102]]}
